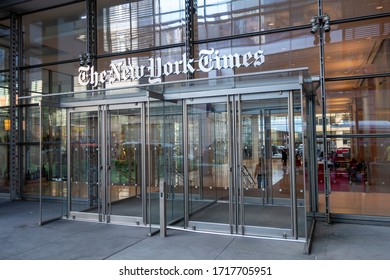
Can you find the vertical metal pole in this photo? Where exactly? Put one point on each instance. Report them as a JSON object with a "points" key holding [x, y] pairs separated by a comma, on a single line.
{"points": [[266, 153], [143, 164], [101, 168], [185, 165], [229, 108], [162, 184], [240, 187], [201, 126], [104, 184], [149, 168], [233, 187], [163, 201], [311, 157], [68, 160], [40, 164], [294, 215], [324, 130]]}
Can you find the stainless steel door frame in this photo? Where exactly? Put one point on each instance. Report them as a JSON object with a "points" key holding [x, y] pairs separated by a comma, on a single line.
{"points": [[290, 233], [104, 205], [99, 216], [226, 227], [111, 217], [236, 189]]}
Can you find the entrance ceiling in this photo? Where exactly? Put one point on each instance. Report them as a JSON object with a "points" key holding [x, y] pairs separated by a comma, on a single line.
{"points": [[27, 6]]}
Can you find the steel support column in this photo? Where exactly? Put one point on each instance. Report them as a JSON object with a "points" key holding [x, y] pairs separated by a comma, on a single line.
{"points": [[14, 166], [323, 20], [190, 12], [91, 30], [324, 130]]}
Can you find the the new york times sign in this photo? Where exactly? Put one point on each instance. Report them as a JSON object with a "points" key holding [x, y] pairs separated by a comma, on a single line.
{"points": [[208, 60]]}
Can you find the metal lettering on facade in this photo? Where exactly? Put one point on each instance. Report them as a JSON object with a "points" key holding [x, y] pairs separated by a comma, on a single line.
{"points": [[208, 60]]}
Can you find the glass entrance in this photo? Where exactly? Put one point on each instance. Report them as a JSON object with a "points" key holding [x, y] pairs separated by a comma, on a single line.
{"points": [[271, 178], [105, 164], [208, 168], [244, 173]]}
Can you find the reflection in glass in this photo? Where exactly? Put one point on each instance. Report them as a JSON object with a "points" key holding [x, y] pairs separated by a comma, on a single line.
{"points": [[339, 9], [84, 158], [265, 134], [359, 176], [366, 44], [208, 143], [281, 51], [124, 26], [54, 35], [126, 162], [4, 149], [4, 46], [174, 161], [53, 169], [358, 107], [226, 18]]}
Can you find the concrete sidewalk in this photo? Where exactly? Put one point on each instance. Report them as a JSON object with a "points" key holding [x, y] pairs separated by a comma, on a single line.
{"points": [[21, 238]]}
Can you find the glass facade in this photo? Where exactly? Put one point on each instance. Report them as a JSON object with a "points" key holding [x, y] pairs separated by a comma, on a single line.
{"points": [[60, 143]]}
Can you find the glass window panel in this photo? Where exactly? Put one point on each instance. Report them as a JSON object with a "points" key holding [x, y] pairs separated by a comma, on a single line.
{"points": [[4, 89], [358, 176], [4, 44], [359, 106], [4, 163], [55, 34], [31, 170], [339, 9], [31, 124], [224, 18], [281, 51], [52, 79], [124, 26], [358, 48]]}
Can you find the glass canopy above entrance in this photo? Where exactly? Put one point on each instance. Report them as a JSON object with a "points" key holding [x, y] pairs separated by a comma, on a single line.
{"points": [[223, 154], [270, 81]]}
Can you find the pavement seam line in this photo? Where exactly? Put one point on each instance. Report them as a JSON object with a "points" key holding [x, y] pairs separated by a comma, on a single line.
{"points": [[224, 248], [131, 245]]}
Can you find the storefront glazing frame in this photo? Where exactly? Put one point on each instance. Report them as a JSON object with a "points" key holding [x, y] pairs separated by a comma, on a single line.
{"points": [[191, 42]]}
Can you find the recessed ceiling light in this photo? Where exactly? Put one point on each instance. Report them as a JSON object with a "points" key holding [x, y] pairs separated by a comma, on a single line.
{"points": [[379, 7]]}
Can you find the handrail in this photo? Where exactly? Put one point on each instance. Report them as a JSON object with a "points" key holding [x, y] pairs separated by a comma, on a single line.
{"points": [[247, 177], [247, 174], [128, 176]]}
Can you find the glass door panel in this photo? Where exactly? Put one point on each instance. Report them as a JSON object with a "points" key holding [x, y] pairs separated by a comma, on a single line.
{"points": [[208, 171], [85, 193], [106, 164], [265, 175], [299, 138], [156, 149], [174, 163], [52, 166], [271, 175], [125, 164]]}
